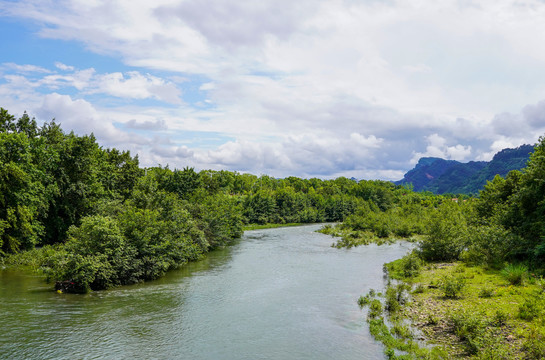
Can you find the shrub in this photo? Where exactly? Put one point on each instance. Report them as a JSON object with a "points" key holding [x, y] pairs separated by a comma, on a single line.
{"points": [[395, 297], [375, 309], [529, 309], [452, 286], [486, 292], [488, 245], [447, 236], [365, 300], [500, 318], [534, 344], [468, 327], [401, 331], [411, 265], [515, 274]]}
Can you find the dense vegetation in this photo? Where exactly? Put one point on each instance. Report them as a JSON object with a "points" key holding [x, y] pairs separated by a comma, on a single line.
{"points": [[91, 218], [475, 277], [448, 176]]}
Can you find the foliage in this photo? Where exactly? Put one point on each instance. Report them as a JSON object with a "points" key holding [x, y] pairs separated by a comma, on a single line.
{"points": [[407, 267], [452, 286], [530, 308], [395, 297], [534, 344], [516, 274], [448, 233]]}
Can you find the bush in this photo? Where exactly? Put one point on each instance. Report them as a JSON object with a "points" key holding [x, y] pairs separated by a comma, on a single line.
{"points": [[452, 286], [529, 309], [534, 344], [515, 274], [411, 265], [488, 245], [486, 293], [468, 327], [500, 318], [375, 309], [395, 297], [447, 236]]}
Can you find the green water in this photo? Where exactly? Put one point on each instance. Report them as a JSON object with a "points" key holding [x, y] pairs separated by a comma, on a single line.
{"points": [[275, 294]]}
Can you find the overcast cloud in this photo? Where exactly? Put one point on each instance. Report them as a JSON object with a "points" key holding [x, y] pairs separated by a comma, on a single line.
{"points": [[305, 88]]}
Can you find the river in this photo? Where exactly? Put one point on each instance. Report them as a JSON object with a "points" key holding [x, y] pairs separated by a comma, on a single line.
{"points": [[275, 294]]}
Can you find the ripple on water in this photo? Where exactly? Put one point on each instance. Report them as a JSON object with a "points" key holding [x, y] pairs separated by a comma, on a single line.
{"points": [[276, 294]]}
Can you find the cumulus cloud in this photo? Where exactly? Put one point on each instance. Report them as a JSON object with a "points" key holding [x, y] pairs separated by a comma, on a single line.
{"points": [[81, 117], [130, 85], [136, 86], [64, 67], [437, 147], [159, 124], [298, 88], [172, 152], [240, 23]]}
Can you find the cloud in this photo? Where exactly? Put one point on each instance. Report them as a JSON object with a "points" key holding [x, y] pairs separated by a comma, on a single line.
{"points": [[534, 115], [294, 88], [306, 155], [156, 125], [437, 147], [64, 67], [81, 117], [135, 86], [172, 152], [26, 68], [235, 24], [130, 85]]}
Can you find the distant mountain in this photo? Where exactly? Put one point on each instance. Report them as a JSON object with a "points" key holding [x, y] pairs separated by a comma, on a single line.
{"points": [[449, 176]]}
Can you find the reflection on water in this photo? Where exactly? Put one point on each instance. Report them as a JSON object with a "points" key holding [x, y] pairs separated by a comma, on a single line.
{"points": [[276, 294]]}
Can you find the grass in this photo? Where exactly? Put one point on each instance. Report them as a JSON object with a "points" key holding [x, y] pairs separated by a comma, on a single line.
{"points": [[352, 238], [31, 260], [486, 318], [491, 317]]}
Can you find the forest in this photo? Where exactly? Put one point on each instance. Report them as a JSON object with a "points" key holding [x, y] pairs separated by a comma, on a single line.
{"points": [[91, 218]]}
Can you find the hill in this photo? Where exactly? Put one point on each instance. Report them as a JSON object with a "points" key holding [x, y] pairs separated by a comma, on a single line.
{"points": [[449, 176]]}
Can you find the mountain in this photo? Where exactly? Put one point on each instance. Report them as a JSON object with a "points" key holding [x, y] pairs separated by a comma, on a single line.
{"points": [[449, 176]]}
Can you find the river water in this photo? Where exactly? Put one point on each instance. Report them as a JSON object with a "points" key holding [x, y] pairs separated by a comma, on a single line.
{"points": [[275, 294]]}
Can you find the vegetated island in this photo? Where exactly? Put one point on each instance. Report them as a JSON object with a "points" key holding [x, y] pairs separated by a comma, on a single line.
{"points": [[473, 287]]}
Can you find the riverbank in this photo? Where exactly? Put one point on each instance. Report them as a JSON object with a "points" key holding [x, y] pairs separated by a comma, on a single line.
{"points": [[465, 312]]}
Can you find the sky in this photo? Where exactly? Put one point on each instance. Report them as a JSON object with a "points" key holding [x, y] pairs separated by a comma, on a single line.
{"points": [[306, 88]]}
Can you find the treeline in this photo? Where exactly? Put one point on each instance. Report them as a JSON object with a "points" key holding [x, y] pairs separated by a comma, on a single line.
{"points": [[504, 224], [100, 220]]}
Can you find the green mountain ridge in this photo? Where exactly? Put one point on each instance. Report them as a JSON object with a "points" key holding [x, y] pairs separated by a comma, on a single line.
{"points": [[442, 176]]}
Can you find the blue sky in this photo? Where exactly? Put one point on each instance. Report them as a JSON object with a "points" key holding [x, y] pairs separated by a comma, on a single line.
{"points": [[321, 88]]}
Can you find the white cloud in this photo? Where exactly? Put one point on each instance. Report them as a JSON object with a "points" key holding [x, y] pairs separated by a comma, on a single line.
{"points": [[437, 147], [305, 87], [81, 117], [26, 68], [64, 67], [135, 86]]}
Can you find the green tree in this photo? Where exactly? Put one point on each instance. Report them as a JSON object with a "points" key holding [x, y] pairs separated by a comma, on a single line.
{"points": [[448, 234]]}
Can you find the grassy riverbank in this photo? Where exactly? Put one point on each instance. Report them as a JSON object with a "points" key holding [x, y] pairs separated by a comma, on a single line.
{"points": [[465, 312]]}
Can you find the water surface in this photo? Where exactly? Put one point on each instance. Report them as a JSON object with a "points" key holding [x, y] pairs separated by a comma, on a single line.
{"points": [[275, 294]]}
